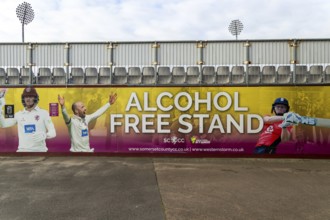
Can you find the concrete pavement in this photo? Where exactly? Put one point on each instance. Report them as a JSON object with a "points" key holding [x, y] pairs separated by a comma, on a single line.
{"points": [[35, 187]]}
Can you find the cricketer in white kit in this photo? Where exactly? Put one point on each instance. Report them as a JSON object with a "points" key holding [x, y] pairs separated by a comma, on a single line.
{"points": [[33, 123], [78, 123]]}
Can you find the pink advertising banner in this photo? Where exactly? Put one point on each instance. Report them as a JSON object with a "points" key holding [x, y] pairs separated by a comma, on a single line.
{"points": [[284, 120]]}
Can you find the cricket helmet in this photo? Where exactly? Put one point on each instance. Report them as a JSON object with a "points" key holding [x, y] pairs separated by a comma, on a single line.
{"points": [[30, 92], [281, 101]]}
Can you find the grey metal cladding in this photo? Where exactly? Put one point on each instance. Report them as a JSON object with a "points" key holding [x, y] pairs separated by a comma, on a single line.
{"points": [[49, 55], [314, 52], [276, 52], [13, 55], [178, 54], [224, 53], [89, 54], [132, 54]]}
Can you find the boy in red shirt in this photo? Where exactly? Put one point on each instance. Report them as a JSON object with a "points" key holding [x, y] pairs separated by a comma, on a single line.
{"points": [[274, 130]]}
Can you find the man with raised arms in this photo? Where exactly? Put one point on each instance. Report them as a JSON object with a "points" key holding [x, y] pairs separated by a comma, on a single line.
{"points": [[78, 123]]}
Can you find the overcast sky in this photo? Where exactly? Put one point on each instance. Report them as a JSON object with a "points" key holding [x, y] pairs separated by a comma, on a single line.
{"points": [[151, 20]]}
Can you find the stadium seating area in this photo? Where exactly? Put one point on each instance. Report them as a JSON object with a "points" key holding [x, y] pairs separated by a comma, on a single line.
{"points": [[165, 75]]}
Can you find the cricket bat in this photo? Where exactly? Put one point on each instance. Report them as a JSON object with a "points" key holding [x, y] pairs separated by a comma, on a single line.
{"points": [[320, 122], [3, 92]]}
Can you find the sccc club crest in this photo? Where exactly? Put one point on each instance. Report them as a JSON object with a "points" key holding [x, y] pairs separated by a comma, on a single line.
{"points": [[174, 140]]}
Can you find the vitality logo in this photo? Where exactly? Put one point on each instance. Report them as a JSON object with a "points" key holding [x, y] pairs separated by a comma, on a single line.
{"points": [[193, 139], [196, 140]]}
